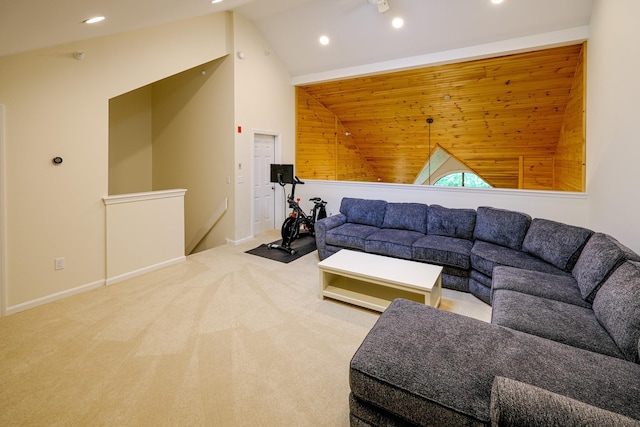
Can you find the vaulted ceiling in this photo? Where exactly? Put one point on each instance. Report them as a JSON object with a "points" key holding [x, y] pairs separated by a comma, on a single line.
{"points": [[359, 33]]}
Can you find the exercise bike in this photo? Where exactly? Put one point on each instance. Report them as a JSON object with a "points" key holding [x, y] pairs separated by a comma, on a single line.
{"points": [[298, 223]]}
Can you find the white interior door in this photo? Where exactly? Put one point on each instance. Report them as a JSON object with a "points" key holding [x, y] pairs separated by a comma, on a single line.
{"points": [[263, 189]]}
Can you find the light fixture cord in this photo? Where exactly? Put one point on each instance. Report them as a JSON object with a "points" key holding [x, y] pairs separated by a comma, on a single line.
{"points": [[429, 121]]}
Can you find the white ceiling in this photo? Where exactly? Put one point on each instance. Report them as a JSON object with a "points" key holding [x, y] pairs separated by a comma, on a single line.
{"points": [[359, 33]]}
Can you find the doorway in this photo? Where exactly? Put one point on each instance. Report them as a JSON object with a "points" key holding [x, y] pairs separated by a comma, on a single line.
{"points": [[264, 153]]}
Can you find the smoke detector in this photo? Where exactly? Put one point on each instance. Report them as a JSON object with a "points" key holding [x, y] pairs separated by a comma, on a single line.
{"points": [[383, 5]]}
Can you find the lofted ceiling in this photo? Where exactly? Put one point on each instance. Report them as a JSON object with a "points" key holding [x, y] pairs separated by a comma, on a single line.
{"points": [[359, 33]]}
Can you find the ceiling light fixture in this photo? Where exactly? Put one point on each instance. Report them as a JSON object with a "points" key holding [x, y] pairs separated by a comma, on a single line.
{"points": [[324, 40], [216, 1], [496, 1], [397, 22], [94, 20]]}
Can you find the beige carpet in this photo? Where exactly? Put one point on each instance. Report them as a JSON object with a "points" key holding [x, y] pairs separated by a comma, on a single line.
{"points": [[224, 339]]}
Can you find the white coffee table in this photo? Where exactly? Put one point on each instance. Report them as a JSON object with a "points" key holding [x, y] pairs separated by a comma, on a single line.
{"points": [[373, 281]]}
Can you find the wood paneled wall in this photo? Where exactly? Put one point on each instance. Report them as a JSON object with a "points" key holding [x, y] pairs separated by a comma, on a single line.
{"points": [[324, 148], [502, 117], [570, 155]]}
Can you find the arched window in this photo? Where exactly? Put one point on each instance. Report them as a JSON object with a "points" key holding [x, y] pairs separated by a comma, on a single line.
{"points": [[462, 179]]}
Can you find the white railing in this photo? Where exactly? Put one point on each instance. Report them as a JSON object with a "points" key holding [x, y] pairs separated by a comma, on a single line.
{"points": [[145, 231]]}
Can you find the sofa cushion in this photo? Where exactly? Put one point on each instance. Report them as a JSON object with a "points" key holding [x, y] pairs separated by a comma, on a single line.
{"points": [[515, 403], [443, 250], [392, 242], [557, 243], [500, 226], [600, 257], [406, 216], [364, 211], [485, 256], [350, 235], [458, 223], [552, 286], [558, 321], [617, 307]]}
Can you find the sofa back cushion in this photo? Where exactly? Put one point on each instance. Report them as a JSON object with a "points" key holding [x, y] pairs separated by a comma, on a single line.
{"points": [[617, 308], [502, 227], [600, 257], [406, 216], [363, 211], [557, 243], [458, 223]]}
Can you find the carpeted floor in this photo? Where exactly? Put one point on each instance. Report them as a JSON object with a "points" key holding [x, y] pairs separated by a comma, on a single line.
{"points": [[223, 339]]}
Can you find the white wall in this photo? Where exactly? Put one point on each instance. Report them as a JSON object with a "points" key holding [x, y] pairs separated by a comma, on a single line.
{"points": [[130, 137], [265, 102], [559, 206], [58, 106], [613, 148], [193, 144]]}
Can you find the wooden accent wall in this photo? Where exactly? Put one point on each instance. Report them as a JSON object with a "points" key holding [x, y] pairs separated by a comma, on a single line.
{"points": [[324, 149], [315, 139], [502, 117], [570, 156]]}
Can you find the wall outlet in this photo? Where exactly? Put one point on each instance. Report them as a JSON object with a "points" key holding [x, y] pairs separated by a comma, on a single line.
{"points": [[59, 263]]}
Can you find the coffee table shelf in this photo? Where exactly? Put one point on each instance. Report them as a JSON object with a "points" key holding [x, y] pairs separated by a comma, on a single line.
{"points": [[373, 281]]}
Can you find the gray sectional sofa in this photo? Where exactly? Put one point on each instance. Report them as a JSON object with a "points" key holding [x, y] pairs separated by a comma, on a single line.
{"points": [[562, 346]]}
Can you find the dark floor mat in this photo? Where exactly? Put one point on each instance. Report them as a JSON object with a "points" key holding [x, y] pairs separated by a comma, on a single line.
{"points": [[302, 247]]}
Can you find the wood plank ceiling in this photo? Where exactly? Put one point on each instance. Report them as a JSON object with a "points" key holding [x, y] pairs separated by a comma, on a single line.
{"points": [[490, 114]]}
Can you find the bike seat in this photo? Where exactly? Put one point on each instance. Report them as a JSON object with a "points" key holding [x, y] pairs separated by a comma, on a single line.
{"points": [[315, 199]]}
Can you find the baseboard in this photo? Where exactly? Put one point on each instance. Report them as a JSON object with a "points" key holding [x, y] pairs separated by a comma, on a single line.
{"points": [[131, 274], [54, 297], [237, 242]]}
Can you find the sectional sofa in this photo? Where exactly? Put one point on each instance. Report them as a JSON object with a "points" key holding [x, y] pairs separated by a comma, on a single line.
{"points": [[562, 346]]}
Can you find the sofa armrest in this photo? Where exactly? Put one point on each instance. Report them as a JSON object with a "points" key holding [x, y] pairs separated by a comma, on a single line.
{"points": [[326, 224], [321, 229], [515, 403]]}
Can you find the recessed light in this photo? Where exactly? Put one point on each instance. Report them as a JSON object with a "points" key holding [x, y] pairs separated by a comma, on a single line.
{"points": [[324, 40], [496, 1], [397, 22], [94, 20], [216, 1]]}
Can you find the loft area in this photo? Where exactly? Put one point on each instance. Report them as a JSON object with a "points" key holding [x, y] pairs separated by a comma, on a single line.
{"points": [[516, 121]]}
